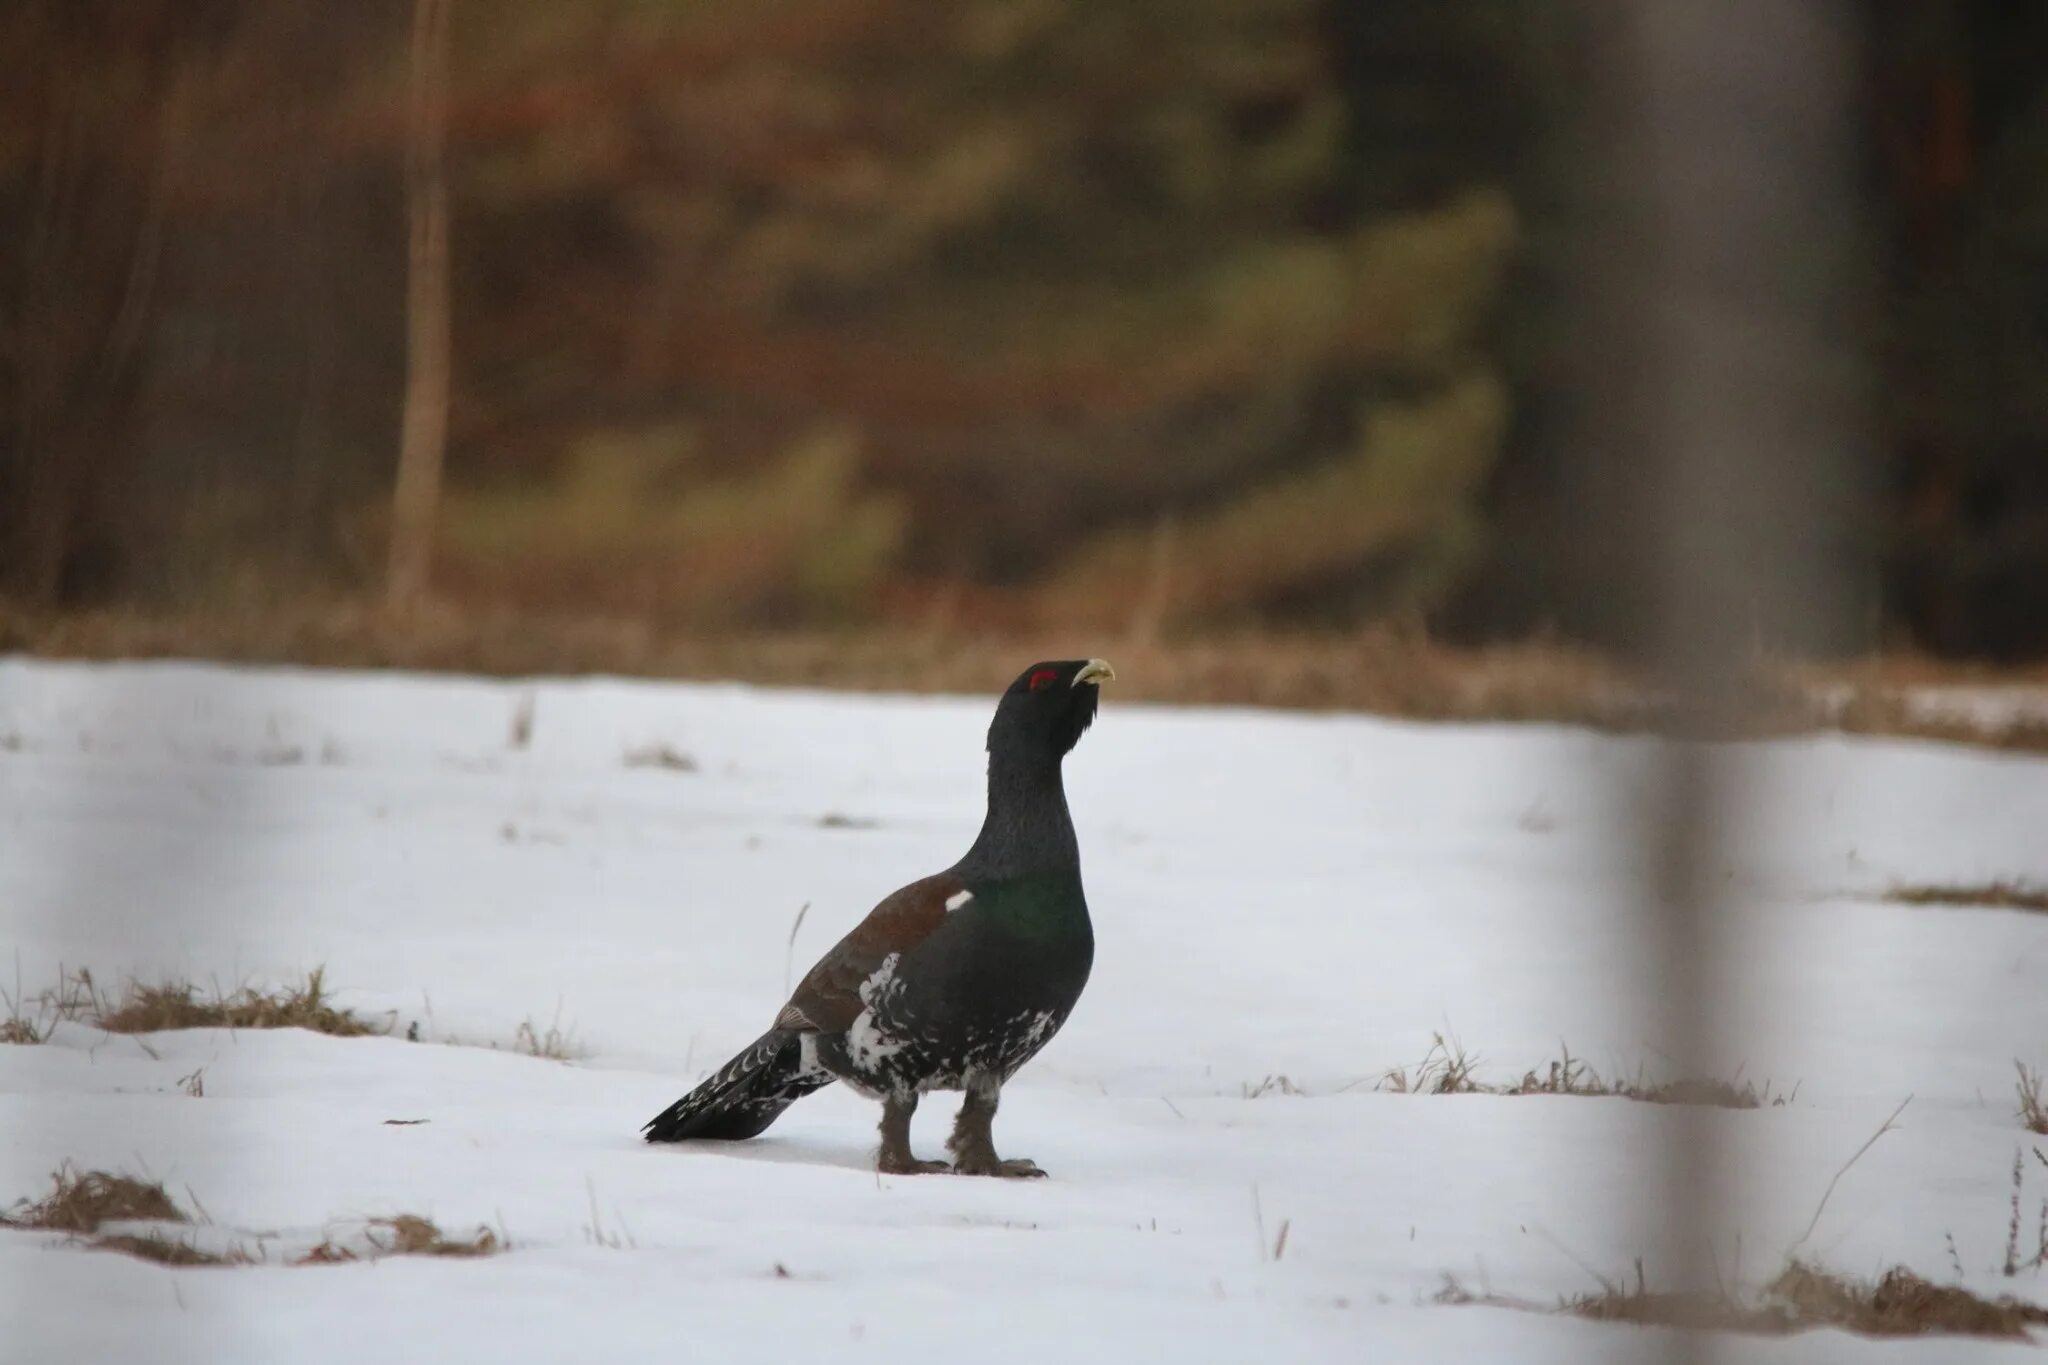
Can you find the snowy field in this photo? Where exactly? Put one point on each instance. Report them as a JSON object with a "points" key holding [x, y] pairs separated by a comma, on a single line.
{"points": [[1274, 895]]}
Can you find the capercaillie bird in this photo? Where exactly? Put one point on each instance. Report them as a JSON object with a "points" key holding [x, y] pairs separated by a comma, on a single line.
{"points": [[954, 981]]}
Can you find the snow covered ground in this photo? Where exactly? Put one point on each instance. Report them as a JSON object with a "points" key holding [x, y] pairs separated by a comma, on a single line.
{"points": [[1275, 895]]}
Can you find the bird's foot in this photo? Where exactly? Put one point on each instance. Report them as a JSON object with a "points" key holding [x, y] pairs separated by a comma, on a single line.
{"points": [[988, 1163], [903, 1163]]}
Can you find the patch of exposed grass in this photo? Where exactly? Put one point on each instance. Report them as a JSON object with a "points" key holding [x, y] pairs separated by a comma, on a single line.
{"points": [[180, 1005], [1805, 1296], [1898, 1304], [1802, 1298], [1997, 895], [82, 1202], [405, 1234], [1447, 1069], [138, 1008], [1569, 1075], [79, 1201]]}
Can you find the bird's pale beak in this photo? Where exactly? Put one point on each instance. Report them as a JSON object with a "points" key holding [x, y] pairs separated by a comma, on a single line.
{"points": [[1095, 671]]}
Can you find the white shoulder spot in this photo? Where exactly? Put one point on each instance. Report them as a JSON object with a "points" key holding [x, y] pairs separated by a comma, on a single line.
{"points": [[958, 899]]}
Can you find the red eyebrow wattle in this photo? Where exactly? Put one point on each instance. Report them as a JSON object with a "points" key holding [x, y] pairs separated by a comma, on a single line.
{"points": [[1042, 677]]}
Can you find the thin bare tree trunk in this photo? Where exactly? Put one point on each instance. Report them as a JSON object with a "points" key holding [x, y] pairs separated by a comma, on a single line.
{"points": [[424, 428]]}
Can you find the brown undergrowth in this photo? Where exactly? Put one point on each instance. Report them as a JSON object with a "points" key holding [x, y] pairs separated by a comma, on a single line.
{"points": [[1381, 669]]}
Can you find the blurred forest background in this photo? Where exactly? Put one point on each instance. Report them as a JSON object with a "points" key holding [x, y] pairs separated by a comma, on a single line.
{"points": [[1207, 315]]}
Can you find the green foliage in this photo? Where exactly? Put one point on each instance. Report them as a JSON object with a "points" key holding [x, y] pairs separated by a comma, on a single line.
{"points": [[1400, 506], [634, 524], [1081, 266]]}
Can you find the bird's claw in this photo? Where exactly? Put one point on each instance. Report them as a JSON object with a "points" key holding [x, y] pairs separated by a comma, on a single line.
{"points": [[909, 1165], [1017, 1168]]}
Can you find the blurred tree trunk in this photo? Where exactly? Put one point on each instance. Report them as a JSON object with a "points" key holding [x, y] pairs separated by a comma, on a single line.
{"points": [[424, 427], [82, 216]]}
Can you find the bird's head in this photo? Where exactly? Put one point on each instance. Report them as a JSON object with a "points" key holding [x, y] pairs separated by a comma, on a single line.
{"points": [[1047, 708]]}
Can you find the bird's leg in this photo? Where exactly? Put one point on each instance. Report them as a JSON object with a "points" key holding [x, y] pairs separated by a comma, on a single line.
{"points": [[972, 1144], [896, 1158]]}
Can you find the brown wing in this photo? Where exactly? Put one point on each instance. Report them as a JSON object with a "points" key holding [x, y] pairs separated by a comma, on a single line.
{"points": [[828, 999]]}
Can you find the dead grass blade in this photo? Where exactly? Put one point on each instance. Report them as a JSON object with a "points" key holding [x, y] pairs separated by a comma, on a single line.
{"points": [[2033, 1104], [1868, 1143]]}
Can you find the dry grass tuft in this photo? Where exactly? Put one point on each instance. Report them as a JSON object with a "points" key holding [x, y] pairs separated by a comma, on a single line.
{"points": [[554, 1044], [74, 998], [179, 1005], [412, 1235], [138, 1008], [2033, 1104], [1653, 1308], [79, 1201], [1998, 895], [1901, 1304], [18, 1027], [1801, 1299], [327, 1253], [405, 1234], [1447, 1069]]}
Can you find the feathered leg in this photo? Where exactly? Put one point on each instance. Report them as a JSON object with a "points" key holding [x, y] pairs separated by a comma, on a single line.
{"points": [[973, 1141], [896, 1158]]}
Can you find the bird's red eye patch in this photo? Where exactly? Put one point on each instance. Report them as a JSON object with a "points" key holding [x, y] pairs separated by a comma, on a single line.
{"points": [[1044, 677]]}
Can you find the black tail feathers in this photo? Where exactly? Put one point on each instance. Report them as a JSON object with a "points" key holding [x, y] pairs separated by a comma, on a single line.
{"points": [[745, 1095]]}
